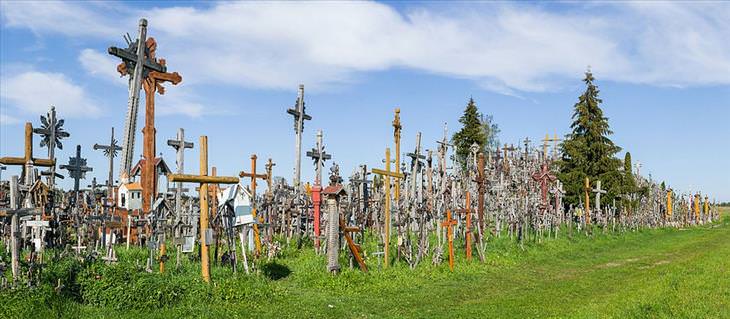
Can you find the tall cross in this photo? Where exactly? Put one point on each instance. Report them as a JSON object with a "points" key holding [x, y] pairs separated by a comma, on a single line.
{"points": [[555, 141], [598, 192], [179, 144], [387, 174], [319, 156], [449, 223], [544, 176], [481, 181], [52, 132], [203, 179], [28, 161], [416, 158], [110, 151], [559, 191], [397, 127], [586, 189], [77, 170], [254, 176], [545, 142], [527, 145], [669, 203], [299, 116]]}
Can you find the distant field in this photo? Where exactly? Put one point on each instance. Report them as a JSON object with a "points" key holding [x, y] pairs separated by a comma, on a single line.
{"points": [[662, 273]]}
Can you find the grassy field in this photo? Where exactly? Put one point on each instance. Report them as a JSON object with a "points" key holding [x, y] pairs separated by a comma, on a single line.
{"points": [[660, 273]]}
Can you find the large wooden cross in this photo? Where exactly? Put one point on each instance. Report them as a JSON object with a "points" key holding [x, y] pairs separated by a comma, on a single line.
{"points": [[544, 176], [179, 144], [254, 176], [387, 174], [28, 160], [203, 179], [397, 127], [76, 169], [110, 151], [449, 223]]}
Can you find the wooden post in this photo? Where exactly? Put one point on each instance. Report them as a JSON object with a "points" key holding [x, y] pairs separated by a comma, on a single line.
{"points": [[468, 226], [669, 204], [254, 176], [396, 135], [448, 223], [203, 179], [387, 174]]}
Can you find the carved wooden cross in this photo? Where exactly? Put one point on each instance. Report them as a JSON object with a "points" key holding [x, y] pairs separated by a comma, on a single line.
{"points": [[397, 127], [203, 179], [467, 211], [254, 176], [598, 192], [449, 223], [387, 174], [544, 176], [77, 169], [110, 151]]}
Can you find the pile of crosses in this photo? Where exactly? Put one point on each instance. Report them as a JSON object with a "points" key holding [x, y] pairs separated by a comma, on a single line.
{"points": [[417, 209]]}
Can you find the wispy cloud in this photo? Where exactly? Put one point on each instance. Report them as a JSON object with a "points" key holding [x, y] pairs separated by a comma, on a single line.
{"points": [[8, 120], [34, 92], [507, 48], [102, 66]]}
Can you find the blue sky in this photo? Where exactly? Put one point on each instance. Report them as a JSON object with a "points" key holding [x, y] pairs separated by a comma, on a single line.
{"points": [[663, 70]]}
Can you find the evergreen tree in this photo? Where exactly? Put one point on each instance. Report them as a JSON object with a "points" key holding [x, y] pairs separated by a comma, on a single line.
{"points": [[629, 184], [471, 132], [587, 150]]}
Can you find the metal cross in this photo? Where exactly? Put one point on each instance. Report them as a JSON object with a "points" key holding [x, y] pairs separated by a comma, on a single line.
{"points": [[77, 170], [179, 144], [299, 115], [110, 151], [52, 132], [319, 156]]}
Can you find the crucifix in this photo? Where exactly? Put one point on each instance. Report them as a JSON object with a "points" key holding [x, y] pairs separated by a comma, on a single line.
{"points": [[449, 223], [396, 136], [598, 192], [139, 61], [299, 117], [319, 156], [544, 176], [254, 176], [110, 151], [203, 179], [77, 170], [28, 161], [52, 132], [387, 174]]}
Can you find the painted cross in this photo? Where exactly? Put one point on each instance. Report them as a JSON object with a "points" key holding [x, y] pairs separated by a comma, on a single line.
{"points": [[598, 192], [544, 176], [110, 151], [319, 156], [449, 223], [203, 179], [77, 170], [254, 176], [387, 174], [52, 132], [300, 116], [179, 144]]}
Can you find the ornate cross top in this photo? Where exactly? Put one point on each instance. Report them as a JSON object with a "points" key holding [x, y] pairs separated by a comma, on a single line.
{"points": [[300, 116], [598, 192], [544, 176], [110, 151], [77, 169], [51, 132], [319, 156]]}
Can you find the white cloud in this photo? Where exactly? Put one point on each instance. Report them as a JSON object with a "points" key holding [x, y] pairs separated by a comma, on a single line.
{"points": [[178, 102], [34, 92], [102, 66], [69, 18], [507, 48], [8, 120]]}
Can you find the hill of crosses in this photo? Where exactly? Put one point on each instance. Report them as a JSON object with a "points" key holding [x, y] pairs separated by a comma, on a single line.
{"points": [[152, 235]]}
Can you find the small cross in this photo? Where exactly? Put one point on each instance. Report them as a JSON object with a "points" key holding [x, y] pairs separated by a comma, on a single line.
{"points": [[77, 169], [449, 223]]}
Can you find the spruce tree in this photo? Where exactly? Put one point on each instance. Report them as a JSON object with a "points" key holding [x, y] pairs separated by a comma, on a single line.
{"points": [[587, 150], [471, 132]]}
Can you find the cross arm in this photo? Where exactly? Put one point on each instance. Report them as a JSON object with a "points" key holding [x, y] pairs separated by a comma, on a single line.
{"points": [[187, 178], [244, 174], [21, 161], [132, 57], [176, 143], [173, 77], [387, 173]]}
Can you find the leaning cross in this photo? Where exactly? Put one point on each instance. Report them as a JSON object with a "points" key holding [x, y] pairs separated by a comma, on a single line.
{"points": [[387, 174], [448, 223], [254, 176], [110, 151], [77, 169], [598, 192], [203, 179], [299, 117]]}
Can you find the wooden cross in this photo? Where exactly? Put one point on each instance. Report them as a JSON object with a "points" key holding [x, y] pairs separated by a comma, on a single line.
{"points": [[586, 189], [449, 223], [319, 156], [598, 192], [555, 141], [397, 127], [481, 181], [28, 159], [300, 116], [544, 176], [467, 211], [387, 174], [77, 169], [669, 204], [545, 146], [254, 176], [179, 144], [203, 179], [355, 249], [110, 151], [527, 145]]}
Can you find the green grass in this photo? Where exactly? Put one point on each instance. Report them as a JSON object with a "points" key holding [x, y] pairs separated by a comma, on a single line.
{"points": [[659, 273]]}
